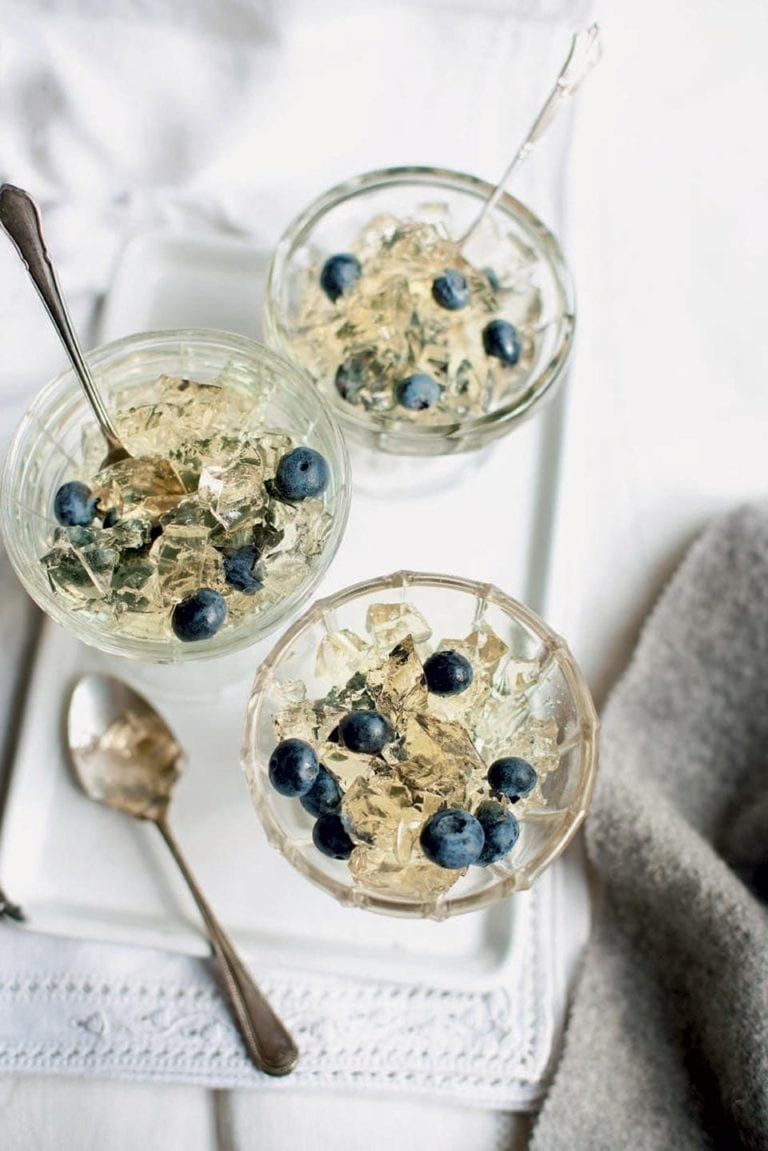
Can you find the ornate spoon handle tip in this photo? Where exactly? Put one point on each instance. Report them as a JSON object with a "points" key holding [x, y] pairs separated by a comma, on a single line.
{"points": [[584, 54]]}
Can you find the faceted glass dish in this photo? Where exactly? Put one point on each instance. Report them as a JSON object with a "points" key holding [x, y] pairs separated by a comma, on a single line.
{"points": [[452, 607], [332, 224], [47, 449]]}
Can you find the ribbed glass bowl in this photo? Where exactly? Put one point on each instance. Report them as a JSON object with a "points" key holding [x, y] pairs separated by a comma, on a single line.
{"points": [[332, 223], [46, 450], [452, 607]]}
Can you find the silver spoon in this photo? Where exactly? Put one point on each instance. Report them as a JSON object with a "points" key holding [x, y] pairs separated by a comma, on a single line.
{"points": [[20, 220], [584, 53], [125, 756]]}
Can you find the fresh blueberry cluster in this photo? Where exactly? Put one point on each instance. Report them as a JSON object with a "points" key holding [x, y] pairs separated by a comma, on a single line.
{"points": [[455, 838], [452, 838], [294, 770], [302, 473], [451, 291]]}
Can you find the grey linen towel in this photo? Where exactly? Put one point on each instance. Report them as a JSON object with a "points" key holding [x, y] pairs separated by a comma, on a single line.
{"points": [[667, 1043]]}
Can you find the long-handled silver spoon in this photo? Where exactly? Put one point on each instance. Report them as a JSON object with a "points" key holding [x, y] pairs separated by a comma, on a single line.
{"points": [[584, 53], [20, 220], [125, 756]]}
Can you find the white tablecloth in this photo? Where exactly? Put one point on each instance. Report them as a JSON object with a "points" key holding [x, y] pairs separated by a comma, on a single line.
{"points": [[669, 409]]}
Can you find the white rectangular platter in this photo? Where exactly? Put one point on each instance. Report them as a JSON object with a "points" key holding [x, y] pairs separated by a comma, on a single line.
{"points": [[92, 874]]}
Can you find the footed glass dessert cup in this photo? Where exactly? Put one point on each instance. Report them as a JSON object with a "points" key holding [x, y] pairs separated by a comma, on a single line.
{"points": [[423, 345], [420, 745], [191, 550]]}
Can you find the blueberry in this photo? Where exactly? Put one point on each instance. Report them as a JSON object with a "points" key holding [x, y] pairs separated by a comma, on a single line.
{"points": [[358, 371], [452, 838], [501, 831], [448, 673], [324, 796], [301, 473], [74, 504], [339, 273], [293, 767], [365, 731], [347, 380], [501, 339], [329, 836], [451, 291], [240, 569], [418, 392], [512, 777], [200, 615]]}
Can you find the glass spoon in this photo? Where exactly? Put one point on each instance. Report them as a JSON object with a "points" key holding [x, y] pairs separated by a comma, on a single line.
{"points": [[20, 220], [125, 756]]}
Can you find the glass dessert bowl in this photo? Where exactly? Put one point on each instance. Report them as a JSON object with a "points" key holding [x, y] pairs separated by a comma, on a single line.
{"points": [[214, 534], [423, 344], [420, 745]]}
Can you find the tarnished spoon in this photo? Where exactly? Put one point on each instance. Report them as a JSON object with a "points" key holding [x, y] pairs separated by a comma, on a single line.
{"points": [[125, 756], [20, 220]]}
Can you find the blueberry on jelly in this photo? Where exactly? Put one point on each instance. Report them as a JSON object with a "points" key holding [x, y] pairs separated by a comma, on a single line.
{"points": [[324, 796], [329, 836], [364, 731], [418, 392], [293, 767], [512, 777], [501, 831], [240, 569], [501, 340], [300, 474], [347, 379], [199, 616], [448, 673], [359, 370], [452, 838], [338, 274], [74, 504], [451, 291]]}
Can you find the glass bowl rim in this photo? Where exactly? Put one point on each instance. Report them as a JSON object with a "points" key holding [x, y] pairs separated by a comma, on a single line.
{"points": [[518, 880], [65, 384], [536, 389]]}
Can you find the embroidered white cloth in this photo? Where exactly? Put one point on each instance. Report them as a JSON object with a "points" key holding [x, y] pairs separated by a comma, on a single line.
{"points": [[229, 116], [79, 1008]]}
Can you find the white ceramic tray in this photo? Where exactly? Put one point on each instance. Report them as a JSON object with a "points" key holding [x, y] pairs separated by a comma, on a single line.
{"points": [[90, 873]]}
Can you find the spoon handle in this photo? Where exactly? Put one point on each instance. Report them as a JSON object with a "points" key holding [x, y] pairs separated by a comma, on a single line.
{"points": [[20, 220], [11, 910], [266, 1039], [584, 53]]}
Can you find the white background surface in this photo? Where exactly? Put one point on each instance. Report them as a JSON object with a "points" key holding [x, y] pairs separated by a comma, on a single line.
{"points": [[667, 424]]}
